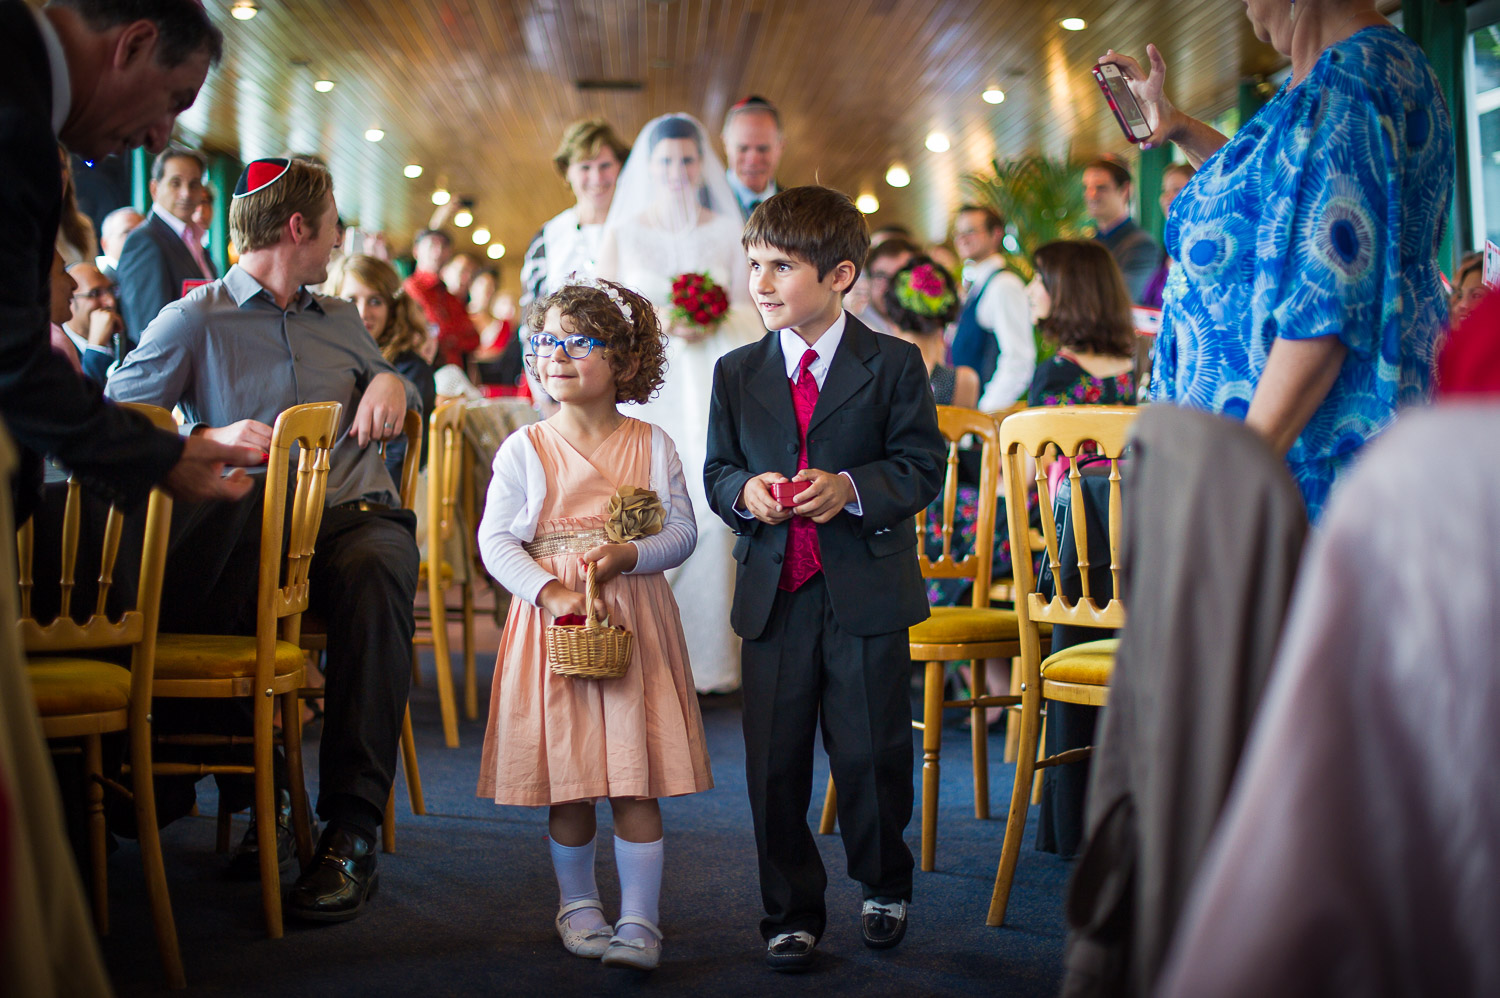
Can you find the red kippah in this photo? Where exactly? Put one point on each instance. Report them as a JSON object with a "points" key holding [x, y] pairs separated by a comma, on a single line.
{"points": [[259, 174]]}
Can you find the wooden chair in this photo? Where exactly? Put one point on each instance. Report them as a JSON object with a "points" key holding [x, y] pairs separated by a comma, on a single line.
{"points": [[958, 633], [1079, 674], [265, 667], [78, 697], [445, 450], [314, 639]]}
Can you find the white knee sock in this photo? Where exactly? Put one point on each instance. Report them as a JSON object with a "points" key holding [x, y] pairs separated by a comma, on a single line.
{"points": [[640, 865], [574, 867]]}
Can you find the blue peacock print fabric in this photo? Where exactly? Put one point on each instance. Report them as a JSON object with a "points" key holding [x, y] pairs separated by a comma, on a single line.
{"points": [[1322, 216]]}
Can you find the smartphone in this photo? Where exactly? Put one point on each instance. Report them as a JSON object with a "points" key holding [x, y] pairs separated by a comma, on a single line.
{"points": [[1122, 102]]}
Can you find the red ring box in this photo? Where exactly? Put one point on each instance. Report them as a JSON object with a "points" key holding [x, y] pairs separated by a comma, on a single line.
{"points": [[785, 493]]}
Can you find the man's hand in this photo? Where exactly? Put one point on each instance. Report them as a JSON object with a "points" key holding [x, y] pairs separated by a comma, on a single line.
{"points": [[611, 560], [245, 433], [199, 474], [825, 497], [104, 323], [757, 500], [382, 410]]}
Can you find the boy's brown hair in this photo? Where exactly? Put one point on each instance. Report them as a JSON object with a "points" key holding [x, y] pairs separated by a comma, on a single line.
{"points": [[818, 225], [637, 342], [256, 221]]}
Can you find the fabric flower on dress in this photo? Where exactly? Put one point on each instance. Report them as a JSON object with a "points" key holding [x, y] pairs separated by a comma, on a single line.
{"points": [[633, 513]]}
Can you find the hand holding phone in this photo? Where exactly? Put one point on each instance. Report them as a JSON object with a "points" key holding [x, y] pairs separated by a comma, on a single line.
{"points": [[1122, 102]]}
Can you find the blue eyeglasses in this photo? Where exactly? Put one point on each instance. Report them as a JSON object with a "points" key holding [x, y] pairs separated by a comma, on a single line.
{"points": [[577, 346]]}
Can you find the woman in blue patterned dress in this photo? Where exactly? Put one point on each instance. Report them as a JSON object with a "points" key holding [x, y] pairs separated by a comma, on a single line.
{"points": [[1308, 300]]}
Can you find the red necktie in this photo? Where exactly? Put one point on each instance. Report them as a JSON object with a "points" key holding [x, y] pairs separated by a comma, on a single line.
{"points": [[803, 559]]}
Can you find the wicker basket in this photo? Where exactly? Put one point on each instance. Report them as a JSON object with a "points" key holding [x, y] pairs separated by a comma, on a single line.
{"points": [[589, 651]]}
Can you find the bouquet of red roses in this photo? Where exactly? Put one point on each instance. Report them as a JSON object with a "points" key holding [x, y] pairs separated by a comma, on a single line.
{"points": [[696, 299]]}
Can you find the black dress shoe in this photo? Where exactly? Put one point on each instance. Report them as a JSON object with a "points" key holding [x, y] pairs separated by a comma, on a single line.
{"points": [[244, 864], [340, 880], [791, 952], [883, 922]]}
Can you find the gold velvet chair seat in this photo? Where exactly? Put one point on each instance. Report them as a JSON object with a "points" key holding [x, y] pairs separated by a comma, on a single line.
{"points": [[965, 625], [218, 656], [1088, 664], [68, 687]]}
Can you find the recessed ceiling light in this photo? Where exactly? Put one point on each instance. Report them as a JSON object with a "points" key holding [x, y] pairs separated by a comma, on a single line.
{"points": [[463, 219], [1073, 23], [413, 171], [937, 142], [374, 135], [480, 236], [897, 176], [243, 10], [323, 86], [496, 251], [994, 95], [441, 197], [867, 203]]}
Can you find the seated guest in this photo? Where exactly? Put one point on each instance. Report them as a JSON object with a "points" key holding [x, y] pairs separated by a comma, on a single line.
{"points": [[395, 321], [116, 228], [167, 248], [1080, 303], [1468, 289], [93, 320], [364, 574], [61, 288], [882, 263], [994, 329], [456, 337]]}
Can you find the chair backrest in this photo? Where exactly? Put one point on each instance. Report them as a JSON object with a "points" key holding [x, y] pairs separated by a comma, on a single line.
{"points": [[411, 462], [135, 627], [1070, 429], [445, 436], [292, 527], [955, 424]]}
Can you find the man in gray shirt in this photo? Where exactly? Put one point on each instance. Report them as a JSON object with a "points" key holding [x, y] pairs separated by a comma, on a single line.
{"points": [[233, 354]]}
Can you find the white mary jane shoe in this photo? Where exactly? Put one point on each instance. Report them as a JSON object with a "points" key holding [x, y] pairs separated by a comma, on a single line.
{"points": [[587, 943], [637, 953]]}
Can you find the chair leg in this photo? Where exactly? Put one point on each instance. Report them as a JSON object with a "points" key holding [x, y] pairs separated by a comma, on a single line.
{"points": [[265, 814], [1041, 750], [144, 793], [1013, 714], [830, 810], [932, 742], [296, 779], [442, 661], [979, 736], [388, 824], [93, 767], [409, 763], [471, 682], [222, 822], [1020, 800]]}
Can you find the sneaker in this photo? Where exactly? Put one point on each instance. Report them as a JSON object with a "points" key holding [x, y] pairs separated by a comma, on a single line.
{"points": [[883, 922], [791, 952]]}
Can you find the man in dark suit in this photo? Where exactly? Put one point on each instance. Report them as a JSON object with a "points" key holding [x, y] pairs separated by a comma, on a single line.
{"points": [[828, 583], [167, 248], [101, 77]]}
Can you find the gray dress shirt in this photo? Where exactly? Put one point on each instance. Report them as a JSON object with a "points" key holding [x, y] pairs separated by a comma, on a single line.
{"points": [[227, 352]]}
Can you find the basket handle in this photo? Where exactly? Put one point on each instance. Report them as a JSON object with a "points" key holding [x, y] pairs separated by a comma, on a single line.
{"points": [[591, 593]]}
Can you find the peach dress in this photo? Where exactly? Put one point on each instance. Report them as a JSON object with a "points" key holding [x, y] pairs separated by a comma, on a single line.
{"points": [[552, 739]]}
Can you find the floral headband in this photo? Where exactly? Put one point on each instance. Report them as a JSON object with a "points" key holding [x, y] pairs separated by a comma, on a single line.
{"points": [[923, 291], [579, 281]]}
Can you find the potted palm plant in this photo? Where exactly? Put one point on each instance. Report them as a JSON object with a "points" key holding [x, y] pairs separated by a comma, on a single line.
{"points": [[1040, 198]]}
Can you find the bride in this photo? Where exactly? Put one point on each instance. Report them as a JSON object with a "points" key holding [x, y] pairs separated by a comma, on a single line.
{"points": [[674, 214]]}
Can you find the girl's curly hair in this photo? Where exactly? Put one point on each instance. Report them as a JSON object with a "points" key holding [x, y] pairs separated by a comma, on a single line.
{"points": [[636, 347]]}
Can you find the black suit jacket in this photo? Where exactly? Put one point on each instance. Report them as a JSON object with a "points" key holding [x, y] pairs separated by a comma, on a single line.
{"points": [[875, 419], [153, 265], [46, 406]]}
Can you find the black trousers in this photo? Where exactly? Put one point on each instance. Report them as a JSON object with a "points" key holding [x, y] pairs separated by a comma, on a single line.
{"points": [[803, 668], [362, 583]]}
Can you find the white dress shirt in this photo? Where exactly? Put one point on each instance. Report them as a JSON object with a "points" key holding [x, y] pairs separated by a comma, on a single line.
{"points": [[1005, 311], [744, 195]]}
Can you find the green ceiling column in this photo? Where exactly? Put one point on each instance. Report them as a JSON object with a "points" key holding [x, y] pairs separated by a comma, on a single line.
{"points": [[140, 180], [1148, 173], [223, 174], [1440, 27], [1250, 99]]}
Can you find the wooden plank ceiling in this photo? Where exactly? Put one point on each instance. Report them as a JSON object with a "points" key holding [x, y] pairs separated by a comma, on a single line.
{"points": [[478, 91]]}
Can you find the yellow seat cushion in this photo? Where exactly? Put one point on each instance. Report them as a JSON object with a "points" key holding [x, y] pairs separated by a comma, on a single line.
{"points": [[1088, 664], [66, 686], [950, 625], [218, 656]]}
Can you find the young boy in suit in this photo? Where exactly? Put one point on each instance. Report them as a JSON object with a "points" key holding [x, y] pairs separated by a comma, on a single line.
{"points": [[826, 589]]}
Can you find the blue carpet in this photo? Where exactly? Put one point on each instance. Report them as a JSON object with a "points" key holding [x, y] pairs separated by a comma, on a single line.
{"points": [[466, 904]]}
